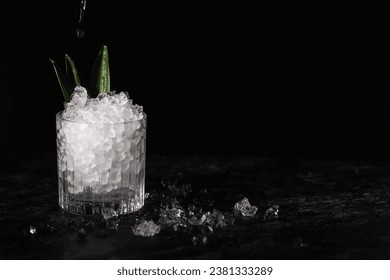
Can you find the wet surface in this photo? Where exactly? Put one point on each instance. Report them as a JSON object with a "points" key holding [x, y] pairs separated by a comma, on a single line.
{"points": [[327, 210]]}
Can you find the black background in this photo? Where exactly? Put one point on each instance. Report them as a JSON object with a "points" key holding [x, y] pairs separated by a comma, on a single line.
{"points": [[230, 80]]}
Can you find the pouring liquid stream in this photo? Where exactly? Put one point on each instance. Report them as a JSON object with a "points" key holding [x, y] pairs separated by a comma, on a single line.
{"points": [[79, 30]]}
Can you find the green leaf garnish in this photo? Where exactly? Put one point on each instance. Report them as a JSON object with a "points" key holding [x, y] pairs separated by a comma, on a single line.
{"points": [[65, 86], [99, 80], [100, 75], [71, 70]]}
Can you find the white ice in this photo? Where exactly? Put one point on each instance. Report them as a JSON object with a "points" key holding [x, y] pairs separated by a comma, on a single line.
{"points": [[101, 139], [105, 108]]}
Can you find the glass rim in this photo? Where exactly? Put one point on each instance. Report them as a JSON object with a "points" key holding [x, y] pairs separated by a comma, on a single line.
{"points": [[59, 116]]}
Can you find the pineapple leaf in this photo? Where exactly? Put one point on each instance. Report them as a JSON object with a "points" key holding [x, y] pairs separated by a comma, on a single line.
{"points": [[62, 80], [71, 70], [100, 75]]}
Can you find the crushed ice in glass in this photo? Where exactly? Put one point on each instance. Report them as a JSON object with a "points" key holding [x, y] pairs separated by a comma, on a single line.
{"points": [[271, 213], [146, 228], [101, 150], [244, 208], [104, 109]]}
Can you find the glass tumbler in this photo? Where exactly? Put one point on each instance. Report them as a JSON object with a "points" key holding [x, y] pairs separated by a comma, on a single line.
{"points": [[101, 166]]}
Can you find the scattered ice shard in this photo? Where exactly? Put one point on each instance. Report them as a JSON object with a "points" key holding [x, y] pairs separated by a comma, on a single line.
{"points": [[217, 219], [195, 221], [208, 229], [194, 210], [271, 213], [106, 108], [172, 216], [33, 230], [244, 208], [146, 228], [179, 227], [196, 217]]}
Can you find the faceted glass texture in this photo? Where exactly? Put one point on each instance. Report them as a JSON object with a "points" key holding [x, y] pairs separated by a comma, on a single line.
{"points": [[101, 165]]}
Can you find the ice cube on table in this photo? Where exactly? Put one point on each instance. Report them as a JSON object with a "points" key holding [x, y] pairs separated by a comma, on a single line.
{"points": [[272, 213], [218, 220], [146, 228], [244, 208], [172, 216], [197, 221]]}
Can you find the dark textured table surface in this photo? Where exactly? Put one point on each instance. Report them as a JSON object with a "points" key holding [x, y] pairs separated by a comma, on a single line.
{"points": [[328, 210]]}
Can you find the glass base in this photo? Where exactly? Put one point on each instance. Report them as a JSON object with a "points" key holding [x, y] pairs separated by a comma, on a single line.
{"points": [[101, 167], [75, 205]]}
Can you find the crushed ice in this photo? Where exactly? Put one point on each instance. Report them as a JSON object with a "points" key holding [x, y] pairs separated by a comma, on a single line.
{"points": [[272, 213], [172, 216], [217, 219], [105, 108], [197, 221], [244, 208], [175, 207], [146, 228], [33, 230]]}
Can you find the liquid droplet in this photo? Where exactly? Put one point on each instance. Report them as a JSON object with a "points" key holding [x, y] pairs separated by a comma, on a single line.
{"points": [[80, 31], [83, 5]]}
